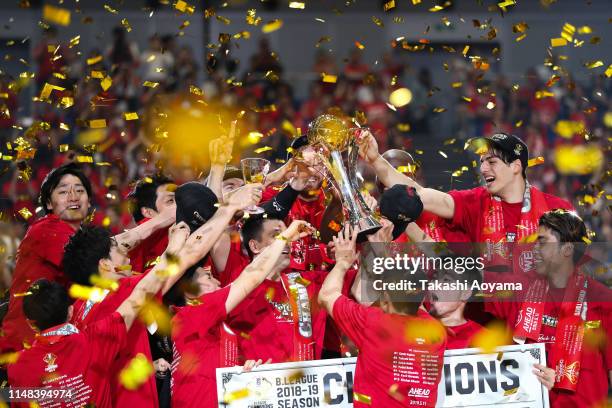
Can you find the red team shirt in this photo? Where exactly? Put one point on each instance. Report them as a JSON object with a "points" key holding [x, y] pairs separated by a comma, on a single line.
{"points": [[39, 256], [596, 357], [86, 313], [469, 211], [461, 336], [196, 337], [394, 368], [265, 323], [52, 361], [149, 249]]}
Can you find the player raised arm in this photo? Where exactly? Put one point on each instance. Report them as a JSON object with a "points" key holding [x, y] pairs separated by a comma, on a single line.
{"points": [[255, 273], [434, 201]]}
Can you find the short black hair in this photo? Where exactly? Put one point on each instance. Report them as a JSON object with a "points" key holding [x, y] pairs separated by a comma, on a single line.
{"points": [[144, 194], [83, 252], [568, 227], [53, 178], [406, 302], [507, 158], [46, 304], [251, 229]]}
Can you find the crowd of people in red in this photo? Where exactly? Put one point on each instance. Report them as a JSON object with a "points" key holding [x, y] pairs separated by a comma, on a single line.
{"points": [[231, 284]]}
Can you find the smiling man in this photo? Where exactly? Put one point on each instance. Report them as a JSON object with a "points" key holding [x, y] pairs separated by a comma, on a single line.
{"points": [[505, 209], [64, 197]]}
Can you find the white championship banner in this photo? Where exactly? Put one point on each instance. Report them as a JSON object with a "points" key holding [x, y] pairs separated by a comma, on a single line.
{"points": [[470, 379]]}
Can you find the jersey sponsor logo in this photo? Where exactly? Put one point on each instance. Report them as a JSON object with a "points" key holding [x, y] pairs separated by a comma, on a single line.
{"points": [[50, 359], [419, 392]]}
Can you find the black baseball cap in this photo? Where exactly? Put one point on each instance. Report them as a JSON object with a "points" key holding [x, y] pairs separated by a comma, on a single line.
{"points": [[232, 172], [507, 143], [296, 145], [195, 204], [401, 205]]}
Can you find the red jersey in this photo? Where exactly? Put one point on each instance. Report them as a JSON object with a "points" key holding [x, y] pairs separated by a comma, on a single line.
{"points": [[64, 357], [87, 313], [400, 357], [39, 256], [149, 249], [265, 323], [237, 260], [310, 211], [469, 210], [461, 336], [196, 354], [596, 356]]}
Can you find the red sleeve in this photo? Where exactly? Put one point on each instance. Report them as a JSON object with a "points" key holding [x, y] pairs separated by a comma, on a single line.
{"points": [[107, 337], [555, 202], [269, 193], [467, 208], [607, 327], [211, 312], [49, 240], [351, 318]]}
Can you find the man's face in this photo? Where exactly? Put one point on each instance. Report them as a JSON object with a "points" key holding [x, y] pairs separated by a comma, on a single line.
{"points": [[116, 265], [271, 228], [231, 184], [496, 173], [165, 197], [69, 200], [547, 252], [445, 302], [309, 161], [205, 281]]}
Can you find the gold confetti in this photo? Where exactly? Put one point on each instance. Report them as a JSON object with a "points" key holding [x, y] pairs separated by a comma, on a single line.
{"points": [[97, 123], [63, 148], [535, 161], [94, 60], [230, 397], [465, 50], [184, 7], [150, 84], [364, 399], [593, 64], [490, 105], [297, 5], [126, 24], [104, 283], [130, 116], [47, 89], [467, 99], [389, 5], [84, 159], [272, 26], [328, 78], [110, 9], [609, 71], [439, 110], [408, 169], [520, 37], [443, 154], [263, 149], [153, 312], [74, 41], [359, 45], [136, 372], [377, 21], [106, 83], [558, 42], [506, 3], [67, 101], [25, 213], [56, 15], [9, 358], [89, 293], [568, 32], [400, 97]]}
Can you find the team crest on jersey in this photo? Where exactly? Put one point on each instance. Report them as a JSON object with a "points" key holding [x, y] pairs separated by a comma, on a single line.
{"points": [[50, 358]]}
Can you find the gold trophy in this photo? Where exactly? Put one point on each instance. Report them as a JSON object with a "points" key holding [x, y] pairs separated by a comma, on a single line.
{"points": [[330, 137]]}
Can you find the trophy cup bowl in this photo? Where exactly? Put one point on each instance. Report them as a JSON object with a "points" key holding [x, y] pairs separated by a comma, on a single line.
{"points": [[331, 136]]}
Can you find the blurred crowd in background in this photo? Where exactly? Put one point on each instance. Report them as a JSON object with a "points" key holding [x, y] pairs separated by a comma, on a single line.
{"points": [[546, 108]]}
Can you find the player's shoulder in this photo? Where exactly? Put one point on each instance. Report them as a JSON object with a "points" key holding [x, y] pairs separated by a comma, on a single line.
{"points": [[555, 202], [49, 225]]}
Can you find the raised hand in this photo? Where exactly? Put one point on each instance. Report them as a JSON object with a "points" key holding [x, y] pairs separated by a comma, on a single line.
{"points": [[298, 229], [368, 146], [177, 235], [220, 148], [345, 245], [245, 196]]}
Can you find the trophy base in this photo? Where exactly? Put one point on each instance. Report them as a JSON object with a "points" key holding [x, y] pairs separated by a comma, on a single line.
{"points": [[367, 226]]}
